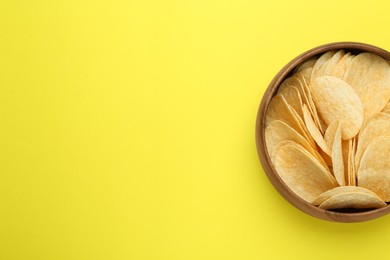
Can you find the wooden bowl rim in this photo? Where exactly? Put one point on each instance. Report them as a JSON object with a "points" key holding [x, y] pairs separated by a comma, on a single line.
{"points": [[262, 149]]}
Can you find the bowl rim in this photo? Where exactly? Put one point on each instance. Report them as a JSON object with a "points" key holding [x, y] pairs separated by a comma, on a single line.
{"points": [[262, 151]]}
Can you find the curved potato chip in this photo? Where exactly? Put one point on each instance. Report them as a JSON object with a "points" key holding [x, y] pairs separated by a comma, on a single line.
{"points": [[305, 73], [351, 177], [330, 133], [279, 131], [374, 87], [337, 158], [376, 116], [374, 170], [342, 189], [314, 131], [376, 127], [299, 82], [293, 98], [343, 65], [290, 81], [310, 104], [302, 173], [306, 133], [295, 82], [346, 147], [331, 64], [336, 100], [320, 64], [306, 65], [354, 200], [278, 109]]}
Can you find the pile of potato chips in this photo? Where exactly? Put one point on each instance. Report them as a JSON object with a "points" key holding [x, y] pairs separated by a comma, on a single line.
{"points": [[328, 131]]}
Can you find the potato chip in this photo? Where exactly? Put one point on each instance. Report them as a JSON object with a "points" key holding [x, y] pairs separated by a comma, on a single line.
{"points": [[342, 189], [331, 64], [377, 126], [295, 82], [374, 169], [314, 131], [299, 82], [337, 101], [337, 157], [278, 109], [353, 200], [305, 73], [310, 103], [369, 75], [293, 98], [306, 65], [279, 131], [346, 154], [330, 133], [343, 65], [320, 64], [306, 133], [351, 163], [376, 116], [302, 173], [290, 81]]}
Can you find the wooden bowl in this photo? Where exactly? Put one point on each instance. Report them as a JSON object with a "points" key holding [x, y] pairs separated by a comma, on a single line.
{"points": [[348, 216]]}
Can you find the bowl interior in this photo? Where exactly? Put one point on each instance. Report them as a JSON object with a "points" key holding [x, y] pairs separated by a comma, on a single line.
{"points": [[347, 215]]}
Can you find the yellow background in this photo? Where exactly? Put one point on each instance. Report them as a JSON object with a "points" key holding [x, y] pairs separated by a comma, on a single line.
{"points": [[127, 129]]}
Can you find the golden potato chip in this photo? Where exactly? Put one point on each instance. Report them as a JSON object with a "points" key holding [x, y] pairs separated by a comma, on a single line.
{"points": [[342, 189], [369, 75], [299, 82], [346, 150], [278, 109], [275, 148], [293, 98], [310, 103], [295, 82], [337, 101], [353, 200], [302, 172], [377, 126], [314, 131], [374, 169], [351, 163], [290, 81], [320, 64], [331, 64], [305, 73], [306, 133], [279, 131], [306, 65], [330, 133], [329, 138], [348, 157], [337, 158], [343, 65], [376, 116]]}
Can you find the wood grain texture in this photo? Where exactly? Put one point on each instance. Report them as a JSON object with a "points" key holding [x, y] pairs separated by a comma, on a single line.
{"points": [[348, 216]]}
